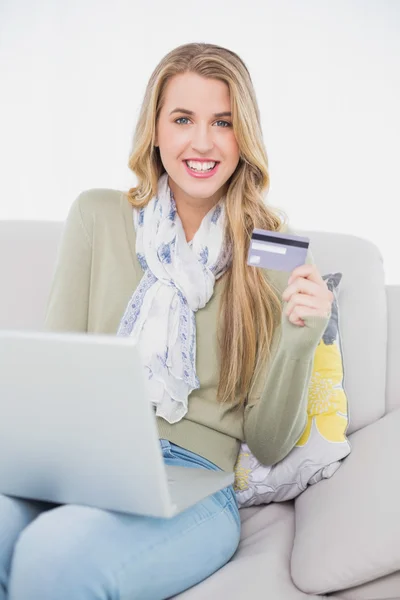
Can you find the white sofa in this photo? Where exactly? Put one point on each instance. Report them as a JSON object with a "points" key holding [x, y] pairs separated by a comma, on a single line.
{"points": [[340, 538]]}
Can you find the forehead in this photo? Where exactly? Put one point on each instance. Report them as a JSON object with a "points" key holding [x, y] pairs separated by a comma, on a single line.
{"points": [[200, 94]]}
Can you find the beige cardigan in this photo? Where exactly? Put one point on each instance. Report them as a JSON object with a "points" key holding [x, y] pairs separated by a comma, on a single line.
{"points": [[96, 274]]}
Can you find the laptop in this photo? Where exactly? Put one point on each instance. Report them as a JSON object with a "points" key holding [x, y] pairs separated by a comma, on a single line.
{"points": [[77, 427]]}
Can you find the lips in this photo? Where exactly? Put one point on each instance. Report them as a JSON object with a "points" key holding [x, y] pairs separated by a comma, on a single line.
{"points": [[202, 159], [201, 174]]}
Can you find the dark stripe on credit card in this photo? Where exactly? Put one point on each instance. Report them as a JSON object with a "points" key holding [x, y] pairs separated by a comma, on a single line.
{"points": [[277, 240]]}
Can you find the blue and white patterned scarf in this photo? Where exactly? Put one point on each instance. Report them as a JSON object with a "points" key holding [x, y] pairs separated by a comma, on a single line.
{"points": [[178, 280]]}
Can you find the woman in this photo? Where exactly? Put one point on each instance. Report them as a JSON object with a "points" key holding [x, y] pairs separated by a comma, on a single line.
{"points": [[227, 348]]}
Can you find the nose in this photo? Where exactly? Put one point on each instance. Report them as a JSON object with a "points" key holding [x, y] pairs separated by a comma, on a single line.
{"points": [[202, 139]]}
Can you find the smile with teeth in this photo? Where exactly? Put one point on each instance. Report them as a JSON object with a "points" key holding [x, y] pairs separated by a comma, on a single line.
{"points": [[199, 166]]}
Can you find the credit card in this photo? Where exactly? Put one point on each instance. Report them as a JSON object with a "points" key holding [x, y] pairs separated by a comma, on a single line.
{"points": [[276, 250]]}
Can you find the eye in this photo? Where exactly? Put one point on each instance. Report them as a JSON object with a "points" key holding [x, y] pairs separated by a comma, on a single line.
{"points": [[226, 123]]}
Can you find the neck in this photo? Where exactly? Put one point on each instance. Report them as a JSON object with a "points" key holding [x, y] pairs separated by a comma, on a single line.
{"points": [[192, 211]]}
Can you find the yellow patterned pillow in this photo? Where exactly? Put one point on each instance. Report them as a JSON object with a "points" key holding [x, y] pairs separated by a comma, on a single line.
{"points": [[323, 443]]}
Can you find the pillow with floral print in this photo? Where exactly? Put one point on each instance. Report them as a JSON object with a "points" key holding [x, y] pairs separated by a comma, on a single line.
{"points": [[323, 444]]}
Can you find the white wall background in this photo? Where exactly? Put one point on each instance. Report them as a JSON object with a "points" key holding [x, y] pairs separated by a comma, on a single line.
{"points": [[327, 77]]}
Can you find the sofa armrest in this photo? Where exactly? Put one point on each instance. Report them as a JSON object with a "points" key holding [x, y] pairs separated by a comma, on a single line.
{"points": [[348, 527], [393, 348]]}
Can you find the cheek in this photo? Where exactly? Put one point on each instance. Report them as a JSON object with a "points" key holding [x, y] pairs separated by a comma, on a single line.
{"points": [[232, 148], [172, 137]]}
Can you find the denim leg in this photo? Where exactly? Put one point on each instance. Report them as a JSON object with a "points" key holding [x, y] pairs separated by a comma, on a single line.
{"points": [[93, 554], [15, 515]]}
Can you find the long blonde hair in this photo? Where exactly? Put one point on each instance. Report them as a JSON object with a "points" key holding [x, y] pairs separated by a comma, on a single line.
{"points": [[250, 309]]}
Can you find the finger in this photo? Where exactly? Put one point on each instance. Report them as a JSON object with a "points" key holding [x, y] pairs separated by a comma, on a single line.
{"points": [[300, 284], [310, 272], [299, 313], [301, 300]]}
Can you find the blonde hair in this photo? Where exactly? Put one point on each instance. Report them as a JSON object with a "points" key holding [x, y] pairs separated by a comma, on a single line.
{"points": [[250, 309]]}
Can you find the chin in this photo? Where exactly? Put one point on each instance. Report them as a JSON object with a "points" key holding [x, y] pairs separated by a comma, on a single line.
{"points": [[202, 191], [198, 188]]}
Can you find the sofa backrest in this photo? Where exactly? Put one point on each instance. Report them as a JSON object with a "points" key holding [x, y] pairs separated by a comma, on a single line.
{"points": [[362, 319], [28, 251]]}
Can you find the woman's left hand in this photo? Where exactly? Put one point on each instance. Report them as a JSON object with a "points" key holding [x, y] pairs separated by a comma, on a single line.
{"points": [[307, 295]]}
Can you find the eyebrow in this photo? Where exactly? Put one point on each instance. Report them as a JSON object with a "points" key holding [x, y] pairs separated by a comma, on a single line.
{"points": [[191, 113]]}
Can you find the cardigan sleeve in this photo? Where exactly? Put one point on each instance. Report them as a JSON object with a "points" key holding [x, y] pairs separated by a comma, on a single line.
{"points": [[68, 302], [275, 419]]}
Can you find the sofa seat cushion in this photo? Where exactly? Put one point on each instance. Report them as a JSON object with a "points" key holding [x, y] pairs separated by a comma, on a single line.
{"points": [[260, 566], [384, 588], [348, 527]]}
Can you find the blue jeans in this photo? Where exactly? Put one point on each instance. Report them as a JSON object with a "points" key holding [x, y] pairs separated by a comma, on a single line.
{"points": [[60, 552]]}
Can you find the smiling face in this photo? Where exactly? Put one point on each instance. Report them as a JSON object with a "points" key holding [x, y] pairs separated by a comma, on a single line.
{"points": [[195, 125]]}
